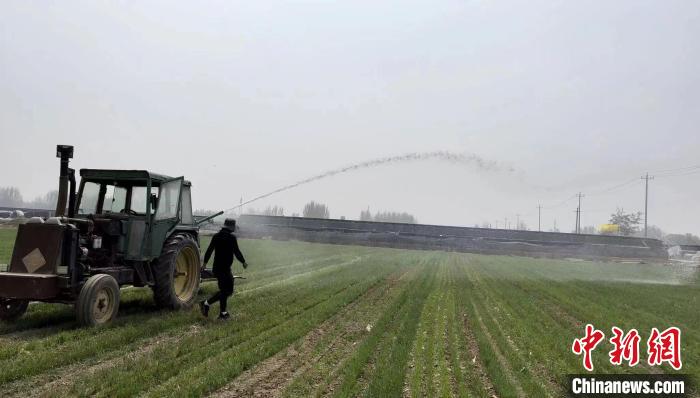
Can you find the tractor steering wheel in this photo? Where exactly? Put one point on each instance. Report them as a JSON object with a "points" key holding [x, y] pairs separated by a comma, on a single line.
{"points": [[129, 211]]}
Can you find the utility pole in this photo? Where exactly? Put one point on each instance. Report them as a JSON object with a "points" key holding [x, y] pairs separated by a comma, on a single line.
{"points": [[517, 223], [505, 223], [578, 213], [539, 218], [646, 202]]}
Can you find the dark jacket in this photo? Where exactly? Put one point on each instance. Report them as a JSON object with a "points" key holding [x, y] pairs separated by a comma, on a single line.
{"points": [[225, 244]]}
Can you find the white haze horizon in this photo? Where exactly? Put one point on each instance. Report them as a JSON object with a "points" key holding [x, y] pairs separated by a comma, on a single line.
{"points": [[245, 98]]}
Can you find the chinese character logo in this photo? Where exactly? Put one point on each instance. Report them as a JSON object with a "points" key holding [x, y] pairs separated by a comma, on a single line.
{"points": [[626, 347], [587, 344], [665, 347]]}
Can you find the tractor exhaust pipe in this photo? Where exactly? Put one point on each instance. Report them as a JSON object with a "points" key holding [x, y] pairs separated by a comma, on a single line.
{"points": [[71, 194], [65, 152]]}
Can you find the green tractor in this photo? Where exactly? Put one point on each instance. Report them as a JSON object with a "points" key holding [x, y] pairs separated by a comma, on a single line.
{"points": [[120, 227]]}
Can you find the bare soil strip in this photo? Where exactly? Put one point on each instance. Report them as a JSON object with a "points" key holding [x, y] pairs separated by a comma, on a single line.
{"points": [[271, 377], [407, 383], [438, 347], [448, 359], [475, 360], [420, 351], [447, 353], [505, 365]]}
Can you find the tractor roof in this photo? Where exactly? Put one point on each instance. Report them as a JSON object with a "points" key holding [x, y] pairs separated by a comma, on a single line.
{"points": [[143, 175]]}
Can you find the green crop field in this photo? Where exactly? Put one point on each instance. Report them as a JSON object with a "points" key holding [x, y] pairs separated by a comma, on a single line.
{"points": [[7, 239], [323, 320]]}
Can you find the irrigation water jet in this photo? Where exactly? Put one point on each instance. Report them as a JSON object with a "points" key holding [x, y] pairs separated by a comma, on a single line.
{"points": [[458, 158]]}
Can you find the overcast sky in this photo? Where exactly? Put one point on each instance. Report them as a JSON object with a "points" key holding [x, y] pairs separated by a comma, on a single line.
{"points": [[245, 97]]}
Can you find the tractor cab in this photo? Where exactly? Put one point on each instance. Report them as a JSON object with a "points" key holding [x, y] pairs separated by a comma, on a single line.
{"points": [[135, 210]]}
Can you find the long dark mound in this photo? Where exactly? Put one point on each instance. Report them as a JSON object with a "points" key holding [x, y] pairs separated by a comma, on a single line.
{"points": [[462, 239]]}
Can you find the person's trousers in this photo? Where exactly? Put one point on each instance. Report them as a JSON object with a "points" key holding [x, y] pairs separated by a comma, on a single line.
{"points": [[225, 282]]}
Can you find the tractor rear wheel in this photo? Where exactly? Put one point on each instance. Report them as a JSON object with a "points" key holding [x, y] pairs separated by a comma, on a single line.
{"points": [[98, 302], [11, 310], [177, 273]]}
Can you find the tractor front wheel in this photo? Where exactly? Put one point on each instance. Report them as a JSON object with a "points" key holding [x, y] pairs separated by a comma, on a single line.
{"points": [[98, 302], [177, 273], [11, 310]]}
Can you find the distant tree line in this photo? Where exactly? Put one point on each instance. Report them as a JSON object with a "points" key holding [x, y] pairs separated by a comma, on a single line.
{"points": [[520, 226], [312, 209], [388, 216], [589, 230], [12, 197], [316, 210], [274, 211], [268, 211]]}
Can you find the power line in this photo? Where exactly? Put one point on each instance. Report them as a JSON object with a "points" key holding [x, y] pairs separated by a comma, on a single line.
{"points": [[680, 174], [595, 193], [614, 188], [676, 170], [597, 211], [562, 203]]}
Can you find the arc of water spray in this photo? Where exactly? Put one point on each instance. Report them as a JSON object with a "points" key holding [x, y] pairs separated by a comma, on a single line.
{"points": [[461, 158]]}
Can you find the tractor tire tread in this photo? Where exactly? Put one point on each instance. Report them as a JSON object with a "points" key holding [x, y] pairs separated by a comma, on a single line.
{"points": [[83, 306], [163, 268]]}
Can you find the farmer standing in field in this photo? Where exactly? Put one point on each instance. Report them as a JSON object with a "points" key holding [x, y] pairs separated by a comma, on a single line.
{"points": [[225, 246]]}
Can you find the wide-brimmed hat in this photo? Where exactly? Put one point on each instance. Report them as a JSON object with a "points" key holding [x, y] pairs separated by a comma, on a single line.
{"points": [[230, 223]]}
